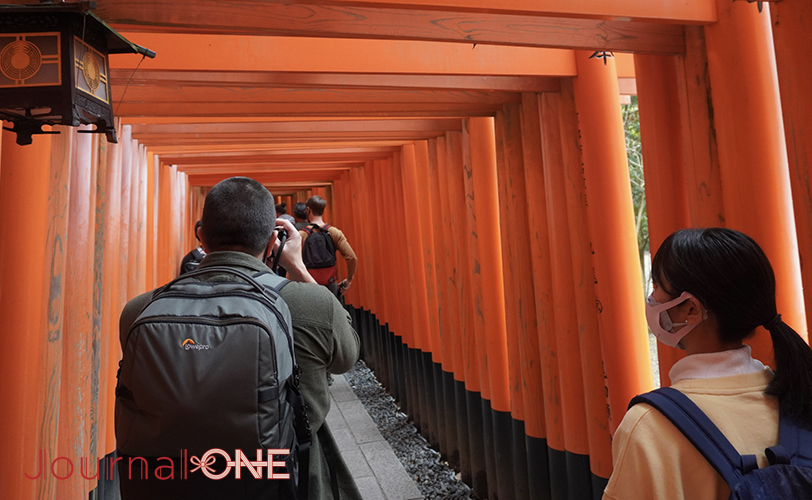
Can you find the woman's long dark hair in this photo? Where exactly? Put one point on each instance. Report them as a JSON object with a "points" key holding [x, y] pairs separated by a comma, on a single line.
{"points": [[728, 272]]}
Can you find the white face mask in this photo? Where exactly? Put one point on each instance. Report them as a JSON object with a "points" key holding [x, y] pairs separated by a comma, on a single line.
{"points": [[660, 322]]}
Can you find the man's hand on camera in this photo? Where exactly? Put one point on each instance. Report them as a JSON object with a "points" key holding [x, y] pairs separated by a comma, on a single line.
{"points": [[291, 257]]}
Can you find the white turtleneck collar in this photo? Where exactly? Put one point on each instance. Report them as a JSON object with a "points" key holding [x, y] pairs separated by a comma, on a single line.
{"points": [[715, 364]]}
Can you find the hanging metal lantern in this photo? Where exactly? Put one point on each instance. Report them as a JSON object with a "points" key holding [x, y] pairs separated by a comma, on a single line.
{"points": [[54, 67]]}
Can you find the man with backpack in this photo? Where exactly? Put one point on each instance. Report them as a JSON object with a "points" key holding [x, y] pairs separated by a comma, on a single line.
{"points": [[208, 365], [320, 241]]}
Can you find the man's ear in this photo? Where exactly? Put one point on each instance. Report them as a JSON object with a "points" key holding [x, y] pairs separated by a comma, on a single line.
{"points": [[199, 234], [269, 249]]}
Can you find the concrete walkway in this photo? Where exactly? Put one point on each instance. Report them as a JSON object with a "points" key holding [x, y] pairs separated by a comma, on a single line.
{"points": [[377, 471]]}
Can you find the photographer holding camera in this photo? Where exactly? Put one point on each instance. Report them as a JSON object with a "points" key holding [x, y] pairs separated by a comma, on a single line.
{"points": [[239, 229]]}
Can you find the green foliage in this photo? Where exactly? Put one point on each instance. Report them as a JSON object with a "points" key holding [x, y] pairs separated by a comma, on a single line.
{"points": [[634, 152]]}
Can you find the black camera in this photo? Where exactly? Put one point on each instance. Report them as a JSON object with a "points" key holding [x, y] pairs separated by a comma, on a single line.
{"points": [[282, 236]]}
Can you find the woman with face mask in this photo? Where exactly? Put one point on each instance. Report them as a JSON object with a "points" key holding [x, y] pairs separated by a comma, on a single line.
{"points": [[712, 288]]}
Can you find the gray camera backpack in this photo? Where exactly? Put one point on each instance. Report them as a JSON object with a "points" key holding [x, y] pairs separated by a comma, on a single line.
{"points": [[210, 364]]}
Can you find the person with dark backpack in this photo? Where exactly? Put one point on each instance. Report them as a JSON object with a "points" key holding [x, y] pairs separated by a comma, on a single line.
{"points": [[218, 364], [728, 427], [320, 241], [192, 259]]}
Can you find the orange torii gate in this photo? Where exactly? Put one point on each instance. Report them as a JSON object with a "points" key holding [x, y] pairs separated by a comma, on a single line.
{"points": [[505, 313]]}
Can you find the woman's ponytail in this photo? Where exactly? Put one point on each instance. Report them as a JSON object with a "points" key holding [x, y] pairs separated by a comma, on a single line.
{"points": [[792, 384]]}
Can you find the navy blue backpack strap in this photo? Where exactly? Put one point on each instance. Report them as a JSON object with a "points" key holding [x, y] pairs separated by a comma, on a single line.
{"points": [[701, 432], [795, 444]]}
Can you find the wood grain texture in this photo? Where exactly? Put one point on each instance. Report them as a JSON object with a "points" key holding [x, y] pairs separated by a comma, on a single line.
{"points": [[254, 17]]}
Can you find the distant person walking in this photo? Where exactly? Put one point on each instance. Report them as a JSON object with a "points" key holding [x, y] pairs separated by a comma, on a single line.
{"points": [[300, 216], [320, 241], [282, 212]]}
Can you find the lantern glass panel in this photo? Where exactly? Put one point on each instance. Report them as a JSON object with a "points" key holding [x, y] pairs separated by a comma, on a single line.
{"points": [[91, 71], [30, 60]]}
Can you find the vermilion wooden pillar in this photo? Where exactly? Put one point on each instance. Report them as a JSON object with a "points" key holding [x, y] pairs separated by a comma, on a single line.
{"points": [[444, 372], [465, 361], [355, 226], [111, 303], [471, 325], [136, 272], [163, 268], [683, 181], [404, 294], [432, 360], [573, 401], [143, 187], [698, 137], [51, 332], [374, 260], [583, 278], [393, 260], [791, 21], [24, 192], [366, 184], [752, 150], [126, 241], [76, 409], [519, 295], [492, 299], [554, 477], [154, 163], [446, 298], [416, 246], [425, 211], [619, 287]]}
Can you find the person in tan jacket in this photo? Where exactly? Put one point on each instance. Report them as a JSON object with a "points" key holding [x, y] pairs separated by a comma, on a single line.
{"points": [[324, 273]]}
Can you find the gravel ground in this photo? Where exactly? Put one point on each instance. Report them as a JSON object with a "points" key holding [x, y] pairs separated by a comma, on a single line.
{"points": [[435, 479]]}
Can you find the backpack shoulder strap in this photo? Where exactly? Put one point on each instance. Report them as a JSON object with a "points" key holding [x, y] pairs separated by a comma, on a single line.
{"points": [[273, 281], [701, 432], [795, 444]]}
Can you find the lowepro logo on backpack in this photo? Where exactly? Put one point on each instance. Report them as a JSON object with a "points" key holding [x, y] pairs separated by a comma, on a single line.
{"points": [[190, 345]]}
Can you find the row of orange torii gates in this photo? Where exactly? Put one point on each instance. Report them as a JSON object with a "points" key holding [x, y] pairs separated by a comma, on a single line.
{"points": [[485, 189]]}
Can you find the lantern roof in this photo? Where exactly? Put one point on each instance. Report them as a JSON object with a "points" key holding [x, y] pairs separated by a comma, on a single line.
{"points": [[116, 42]]}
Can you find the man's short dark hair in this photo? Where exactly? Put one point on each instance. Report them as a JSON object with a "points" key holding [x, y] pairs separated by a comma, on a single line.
{"points": [[299, 211], [316, 204], [238, 214]]}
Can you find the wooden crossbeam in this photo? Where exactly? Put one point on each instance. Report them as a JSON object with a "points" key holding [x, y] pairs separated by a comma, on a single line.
{"points": [[261, 167], [239, 95], [683, 11], [236, 158], [214, 148], [413, 22], [340, 55], [361, 127], [269, 178], [208, 109], [269, 79]]}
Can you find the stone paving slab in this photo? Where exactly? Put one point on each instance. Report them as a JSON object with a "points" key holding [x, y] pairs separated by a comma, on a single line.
{"points": [[377, 471]]}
